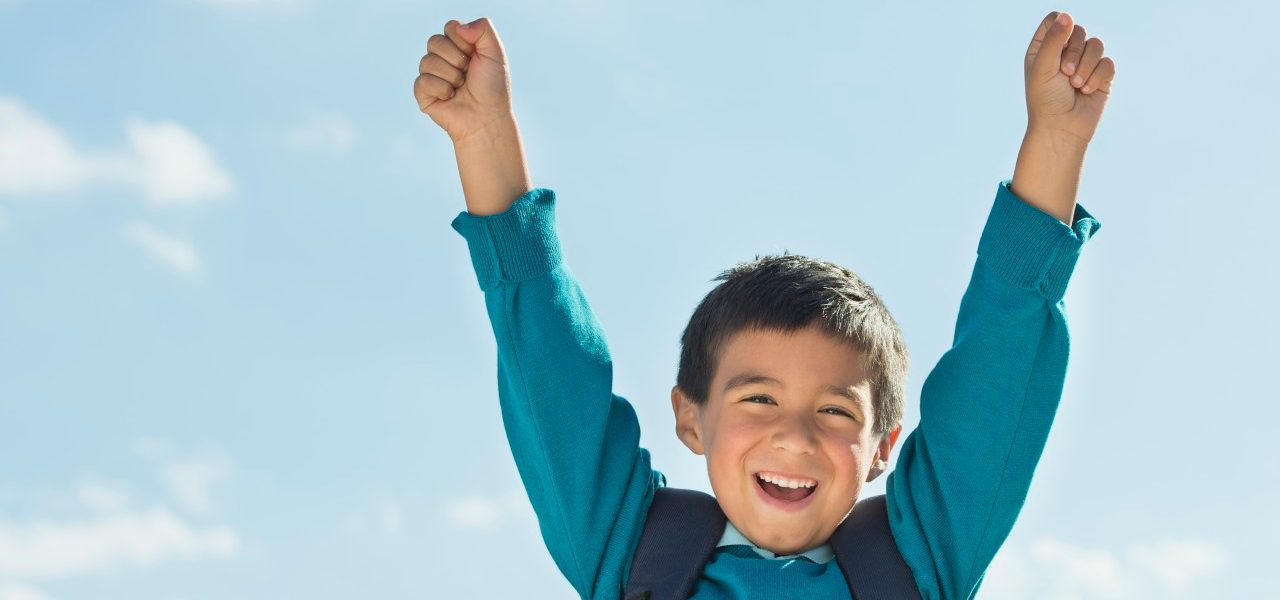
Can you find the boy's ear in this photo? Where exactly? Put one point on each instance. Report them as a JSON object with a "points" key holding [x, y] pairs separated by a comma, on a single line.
{"points": [[881, 457], [688, 426]]}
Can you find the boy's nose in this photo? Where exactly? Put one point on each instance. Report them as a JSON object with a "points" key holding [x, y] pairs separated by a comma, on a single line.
{"points": [[795, 435]]}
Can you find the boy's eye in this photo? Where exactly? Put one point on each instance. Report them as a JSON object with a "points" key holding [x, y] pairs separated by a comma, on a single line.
{"points": [[765, 399], [836, 411]]}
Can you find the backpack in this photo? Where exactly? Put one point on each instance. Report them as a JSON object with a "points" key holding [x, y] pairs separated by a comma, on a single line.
{"points": [[683, 526]]}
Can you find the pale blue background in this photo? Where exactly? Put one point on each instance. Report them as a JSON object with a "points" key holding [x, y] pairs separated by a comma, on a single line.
{"points": [[284, 387]]}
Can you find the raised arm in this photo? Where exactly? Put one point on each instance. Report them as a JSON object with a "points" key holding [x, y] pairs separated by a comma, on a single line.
{"points": [[575, 442], [986, 408]]}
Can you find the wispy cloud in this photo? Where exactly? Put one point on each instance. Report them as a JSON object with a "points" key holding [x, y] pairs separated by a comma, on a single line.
{"points": [[191, 480], [474, 512], [1053, 568], [42, 549], [18, 591], [101, 497], [35, 156], [152, 447], [105, 530], [1179, 564], [482, 512], [176, 166], [390, 517], [323, 131], [163, 160], [176, 253], [385, 515]]}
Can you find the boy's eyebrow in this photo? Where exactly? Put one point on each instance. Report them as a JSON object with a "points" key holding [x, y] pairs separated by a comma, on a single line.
{"points": [[750, 378]]}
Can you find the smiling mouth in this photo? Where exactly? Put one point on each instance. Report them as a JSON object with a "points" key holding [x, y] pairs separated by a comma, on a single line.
{"points": [[785, 494]]}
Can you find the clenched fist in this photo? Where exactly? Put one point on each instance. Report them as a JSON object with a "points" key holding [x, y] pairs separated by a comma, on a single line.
{"points": [[1068, 79], [463, 83]]}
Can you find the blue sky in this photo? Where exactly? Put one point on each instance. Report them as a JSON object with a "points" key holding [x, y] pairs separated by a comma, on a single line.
{"points": [[243, 355]]}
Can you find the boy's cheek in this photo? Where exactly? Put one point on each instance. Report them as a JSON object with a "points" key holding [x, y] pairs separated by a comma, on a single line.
{"points": [[731, 439]]}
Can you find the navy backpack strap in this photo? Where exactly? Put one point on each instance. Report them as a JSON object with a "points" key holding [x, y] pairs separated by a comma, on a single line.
{"points": [[869, 557], [680, 533]]}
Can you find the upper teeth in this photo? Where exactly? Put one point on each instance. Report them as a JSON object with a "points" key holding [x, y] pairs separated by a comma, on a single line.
{"points": [[784, 482]]}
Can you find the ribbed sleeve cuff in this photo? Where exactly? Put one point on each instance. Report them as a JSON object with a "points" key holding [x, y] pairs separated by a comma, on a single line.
{"points": [[1031, 248], [516, 244]]}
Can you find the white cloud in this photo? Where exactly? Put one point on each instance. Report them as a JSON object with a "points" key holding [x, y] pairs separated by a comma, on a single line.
{"points": [[385, 516], [177, 167], [175, 253], [324, 131], [18, 591], [49, 549], [1094, 573], [109, 534], [479, 511], [166, 162], [474, 512], [150, 447], [389, 515], [191, 480], [102, 498], [34, 155], [1178, 564], [1060, 570]]}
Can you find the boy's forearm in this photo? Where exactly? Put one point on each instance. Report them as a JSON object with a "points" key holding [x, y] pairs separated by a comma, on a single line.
{"points": [[492, 166], [1047, 173]]}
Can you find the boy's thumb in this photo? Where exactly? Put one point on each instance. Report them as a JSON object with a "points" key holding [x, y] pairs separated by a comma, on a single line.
{"points": [[479, 32], [1048, 44]]}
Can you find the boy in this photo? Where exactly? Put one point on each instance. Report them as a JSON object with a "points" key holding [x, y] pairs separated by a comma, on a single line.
{"points": [[791, 371]]}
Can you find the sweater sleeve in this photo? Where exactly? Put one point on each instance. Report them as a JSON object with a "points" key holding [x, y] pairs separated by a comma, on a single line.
{"points": [[575, 442], [986, 408]]}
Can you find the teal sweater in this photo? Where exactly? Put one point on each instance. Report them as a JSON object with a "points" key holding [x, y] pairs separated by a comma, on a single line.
{"points": [[961, 476]]}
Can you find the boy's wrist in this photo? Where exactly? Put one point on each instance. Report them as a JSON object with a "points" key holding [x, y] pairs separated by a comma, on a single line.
{"points": [[1061, 141], [1047, 174], [495, 131], [492, 167]]}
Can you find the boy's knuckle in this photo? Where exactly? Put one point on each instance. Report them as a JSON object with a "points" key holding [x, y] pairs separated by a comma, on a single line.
{"points": [[435, 64], [442, 88], [422, 87], [428, 83]]}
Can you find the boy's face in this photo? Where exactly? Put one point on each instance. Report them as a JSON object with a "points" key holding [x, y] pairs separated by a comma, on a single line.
{"points": [[798, 427]]}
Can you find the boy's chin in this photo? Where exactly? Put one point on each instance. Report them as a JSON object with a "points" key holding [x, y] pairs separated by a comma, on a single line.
{"points": [[782, 540], [791, 548]]}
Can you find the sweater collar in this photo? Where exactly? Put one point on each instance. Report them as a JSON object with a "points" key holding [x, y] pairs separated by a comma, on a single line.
{"points": [[732, 536]]}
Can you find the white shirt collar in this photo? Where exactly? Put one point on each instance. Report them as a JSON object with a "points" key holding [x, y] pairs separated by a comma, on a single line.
{"points": [[732, 536]]}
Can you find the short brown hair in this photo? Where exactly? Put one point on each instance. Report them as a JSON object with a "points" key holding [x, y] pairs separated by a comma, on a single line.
{"points": [[789, 292]]}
